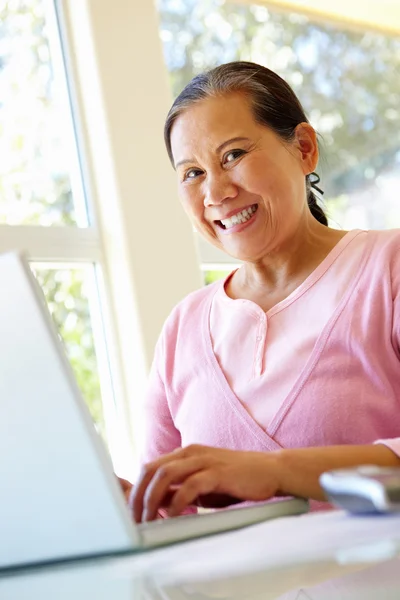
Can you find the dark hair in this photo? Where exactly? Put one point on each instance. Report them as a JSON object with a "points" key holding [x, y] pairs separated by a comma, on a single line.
{"points": [[273, 102]]}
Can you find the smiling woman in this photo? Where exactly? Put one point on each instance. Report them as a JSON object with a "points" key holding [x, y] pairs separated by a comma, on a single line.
{"points": [[258, 380], [259, 169], [279, 109], [238, 218]]}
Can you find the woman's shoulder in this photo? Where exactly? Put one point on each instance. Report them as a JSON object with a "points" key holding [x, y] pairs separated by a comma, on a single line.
{"points": [[189, 309], [384, 244], [197, 298], [385, 238], [384, 254]]}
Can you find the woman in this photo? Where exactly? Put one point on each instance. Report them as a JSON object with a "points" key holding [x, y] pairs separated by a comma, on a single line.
{"points": [[290, 367]]}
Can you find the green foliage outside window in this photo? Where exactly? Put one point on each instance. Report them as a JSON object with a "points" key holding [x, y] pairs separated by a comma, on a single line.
{"points": [[68, 300], [347, 81], [35, 186], [210, 276]]}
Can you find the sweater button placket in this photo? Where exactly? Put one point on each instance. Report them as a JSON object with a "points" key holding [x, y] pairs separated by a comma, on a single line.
{"points": [[261, 345]]}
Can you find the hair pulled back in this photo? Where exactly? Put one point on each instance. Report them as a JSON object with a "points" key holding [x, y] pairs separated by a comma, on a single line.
{"points": [[274, 104]]}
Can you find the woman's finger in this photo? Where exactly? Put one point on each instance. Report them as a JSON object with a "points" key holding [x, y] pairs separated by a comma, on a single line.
{"points": [[167, 475], [199, 484], [136, 496], [126, 486]]}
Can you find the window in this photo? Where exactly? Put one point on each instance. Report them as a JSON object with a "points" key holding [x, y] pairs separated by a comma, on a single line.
{"points": [[215, 272], [78, 188], [346, 80], [43, 206], [71, 293]]}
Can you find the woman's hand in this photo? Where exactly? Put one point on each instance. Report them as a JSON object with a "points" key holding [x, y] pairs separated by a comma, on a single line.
{"points": [[126, 487], [199, 474], [212, 477]]}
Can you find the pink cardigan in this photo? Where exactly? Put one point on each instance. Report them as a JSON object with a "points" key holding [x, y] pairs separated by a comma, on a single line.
{"points": [[347, 393], [254, 347]]}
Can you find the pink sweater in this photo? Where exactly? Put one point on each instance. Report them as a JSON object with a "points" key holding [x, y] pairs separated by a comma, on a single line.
{"points": [[254, 348], [346, 391]]}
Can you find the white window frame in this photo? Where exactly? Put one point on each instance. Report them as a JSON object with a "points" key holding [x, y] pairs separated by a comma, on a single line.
{"points": [[138, 234], [356, 14]]}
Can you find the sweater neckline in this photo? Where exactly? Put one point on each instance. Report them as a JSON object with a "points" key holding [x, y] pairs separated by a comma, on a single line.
{"points": [[310, 280], [265, 436]]}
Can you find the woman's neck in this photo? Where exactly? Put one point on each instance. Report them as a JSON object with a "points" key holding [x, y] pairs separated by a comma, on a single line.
{"points": [[272, 278]]}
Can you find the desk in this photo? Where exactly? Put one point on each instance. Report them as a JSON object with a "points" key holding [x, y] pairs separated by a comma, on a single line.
{"points": [[325, 556]]}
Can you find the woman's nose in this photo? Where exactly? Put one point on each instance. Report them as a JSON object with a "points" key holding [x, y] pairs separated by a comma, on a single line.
{"points": [[218, 189]]}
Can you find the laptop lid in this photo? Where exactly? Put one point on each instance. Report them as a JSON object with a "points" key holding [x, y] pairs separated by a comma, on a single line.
{"points": [[59, 496]]}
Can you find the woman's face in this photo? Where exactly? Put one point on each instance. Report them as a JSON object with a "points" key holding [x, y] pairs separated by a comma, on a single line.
{"points": [[241, 185]]}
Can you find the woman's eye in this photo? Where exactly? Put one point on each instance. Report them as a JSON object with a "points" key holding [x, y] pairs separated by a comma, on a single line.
{"points": [[232, 155], [191, 174]]}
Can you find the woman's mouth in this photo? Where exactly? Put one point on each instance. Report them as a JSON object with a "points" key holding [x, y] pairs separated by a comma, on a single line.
{"points": [[239, 218]]}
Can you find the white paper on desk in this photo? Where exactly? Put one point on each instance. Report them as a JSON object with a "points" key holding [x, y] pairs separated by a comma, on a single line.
{"points": [[379, 582], [287, 541]]}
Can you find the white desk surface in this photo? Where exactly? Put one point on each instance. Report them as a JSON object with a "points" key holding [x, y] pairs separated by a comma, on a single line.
{"points": [[323, 556]]}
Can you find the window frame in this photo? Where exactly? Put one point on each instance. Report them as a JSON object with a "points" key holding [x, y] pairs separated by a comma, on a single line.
{"points": [[132, 323], [139, 279]]}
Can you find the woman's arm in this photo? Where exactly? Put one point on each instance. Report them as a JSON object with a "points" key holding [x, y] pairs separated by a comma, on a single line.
{"points": [[195, 472], [300, 468]]}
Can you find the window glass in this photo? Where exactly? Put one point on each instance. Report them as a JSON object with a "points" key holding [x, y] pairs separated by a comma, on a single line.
{"points": [[70, 294], [211, 275], [39, 170]]}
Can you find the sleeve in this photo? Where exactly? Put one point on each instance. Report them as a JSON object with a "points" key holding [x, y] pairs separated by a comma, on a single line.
{"points": [[395, 276], [160, 435], [394, 443]]}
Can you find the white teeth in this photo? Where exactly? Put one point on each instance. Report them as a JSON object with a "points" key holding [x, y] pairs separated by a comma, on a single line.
{"points": [[240, 217]]}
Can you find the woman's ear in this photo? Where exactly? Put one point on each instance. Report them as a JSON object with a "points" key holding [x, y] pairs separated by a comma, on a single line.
{"points": [[306, 142]]}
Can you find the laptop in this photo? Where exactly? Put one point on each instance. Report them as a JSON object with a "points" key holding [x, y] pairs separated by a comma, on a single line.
{"points": [[60, 499]]}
